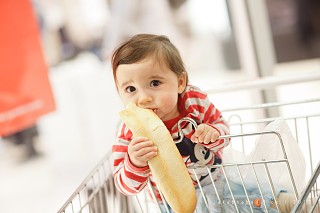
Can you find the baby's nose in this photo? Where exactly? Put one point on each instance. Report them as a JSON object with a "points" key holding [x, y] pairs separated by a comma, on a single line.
{"points": [[144, 98]]}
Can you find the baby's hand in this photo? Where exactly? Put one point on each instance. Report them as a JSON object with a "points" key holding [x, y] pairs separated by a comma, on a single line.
{"points": [[205, 134], [141, 150]]}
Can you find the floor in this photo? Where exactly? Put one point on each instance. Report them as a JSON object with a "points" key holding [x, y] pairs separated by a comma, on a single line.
{"points": [[80, 132]]}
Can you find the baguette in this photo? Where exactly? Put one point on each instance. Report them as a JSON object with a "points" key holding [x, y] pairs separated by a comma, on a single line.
{"points": [[168, 168]]}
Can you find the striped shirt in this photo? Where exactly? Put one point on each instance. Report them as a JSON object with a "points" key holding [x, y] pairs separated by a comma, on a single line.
{"points": [[194, 104]]}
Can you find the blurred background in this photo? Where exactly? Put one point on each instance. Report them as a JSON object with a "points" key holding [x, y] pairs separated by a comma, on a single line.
{"points": [[242, 52]]}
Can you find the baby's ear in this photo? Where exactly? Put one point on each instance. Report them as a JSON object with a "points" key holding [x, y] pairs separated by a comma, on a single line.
{"points": [[182, 82]]}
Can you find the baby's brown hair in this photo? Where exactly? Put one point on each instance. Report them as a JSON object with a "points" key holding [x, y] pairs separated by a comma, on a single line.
{"points": [[143, 46]]}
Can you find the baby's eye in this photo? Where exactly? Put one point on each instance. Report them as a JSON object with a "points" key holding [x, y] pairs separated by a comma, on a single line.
{"points": [[155, 83], [130, 89]]}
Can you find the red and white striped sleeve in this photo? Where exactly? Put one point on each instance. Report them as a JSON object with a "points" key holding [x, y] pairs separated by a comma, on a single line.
{"points": [[129, 179], [201, 109]]}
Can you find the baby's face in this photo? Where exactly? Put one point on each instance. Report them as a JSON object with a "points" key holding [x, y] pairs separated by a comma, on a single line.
{"points": [[152, 86]]}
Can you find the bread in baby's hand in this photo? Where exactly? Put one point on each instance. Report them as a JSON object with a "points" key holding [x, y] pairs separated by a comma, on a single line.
{"points": [[168, 168]]}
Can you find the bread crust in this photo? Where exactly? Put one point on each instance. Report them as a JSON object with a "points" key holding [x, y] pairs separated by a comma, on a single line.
{"points": [[168, 168]]}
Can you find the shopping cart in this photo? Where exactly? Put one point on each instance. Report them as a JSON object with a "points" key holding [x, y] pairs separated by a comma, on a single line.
{"points": [[97, 193], [311, 194]]}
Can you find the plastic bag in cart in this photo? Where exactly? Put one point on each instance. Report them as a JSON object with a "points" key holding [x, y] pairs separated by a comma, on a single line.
{"points": [[267, 149]]}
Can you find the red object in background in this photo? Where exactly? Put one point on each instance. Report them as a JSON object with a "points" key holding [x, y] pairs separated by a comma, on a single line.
{"points": [[25, 91]]}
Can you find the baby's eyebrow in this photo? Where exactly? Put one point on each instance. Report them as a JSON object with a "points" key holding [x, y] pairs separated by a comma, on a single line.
{"points": [[156, 77], [125, 83]]}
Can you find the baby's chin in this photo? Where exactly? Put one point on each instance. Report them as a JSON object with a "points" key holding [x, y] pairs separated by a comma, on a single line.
{"points": [[159, 114]]}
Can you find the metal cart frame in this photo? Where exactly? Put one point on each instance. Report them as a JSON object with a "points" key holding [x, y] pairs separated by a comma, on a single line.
{"points": [[97, 193]]}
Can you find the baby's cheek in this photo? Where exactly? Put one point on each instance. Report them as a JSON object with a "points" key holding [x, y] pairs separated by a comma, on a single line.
{"points": [[169, 102]]}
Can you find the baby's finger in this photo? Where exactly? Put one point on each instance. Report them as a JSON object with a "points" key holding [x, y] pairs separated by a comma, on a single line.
{"points": [[142, 145], [199, 131], [149, 155], [145, 150], [194, 139], [202, 137], [207, 138], [214, 136], [136, 140]]}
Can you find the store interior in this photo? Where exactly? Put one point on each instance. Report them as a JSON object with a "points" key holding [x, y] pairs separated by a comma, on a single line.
{"points": [[78, 38]]}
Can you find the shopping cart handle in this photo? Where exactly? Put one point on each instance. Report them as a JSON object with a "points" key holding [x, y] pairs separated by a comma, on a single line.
{"points": [[180, 132]]}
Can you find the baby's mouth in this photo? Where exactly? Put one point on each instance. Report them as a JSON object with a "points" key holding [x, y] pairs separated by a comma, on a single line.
{"points": [[155, 110]]}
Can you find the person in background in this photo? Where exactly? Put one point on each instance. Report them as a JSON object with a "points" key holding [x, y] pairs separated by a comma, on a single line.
{"points": [[26, 137]]}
